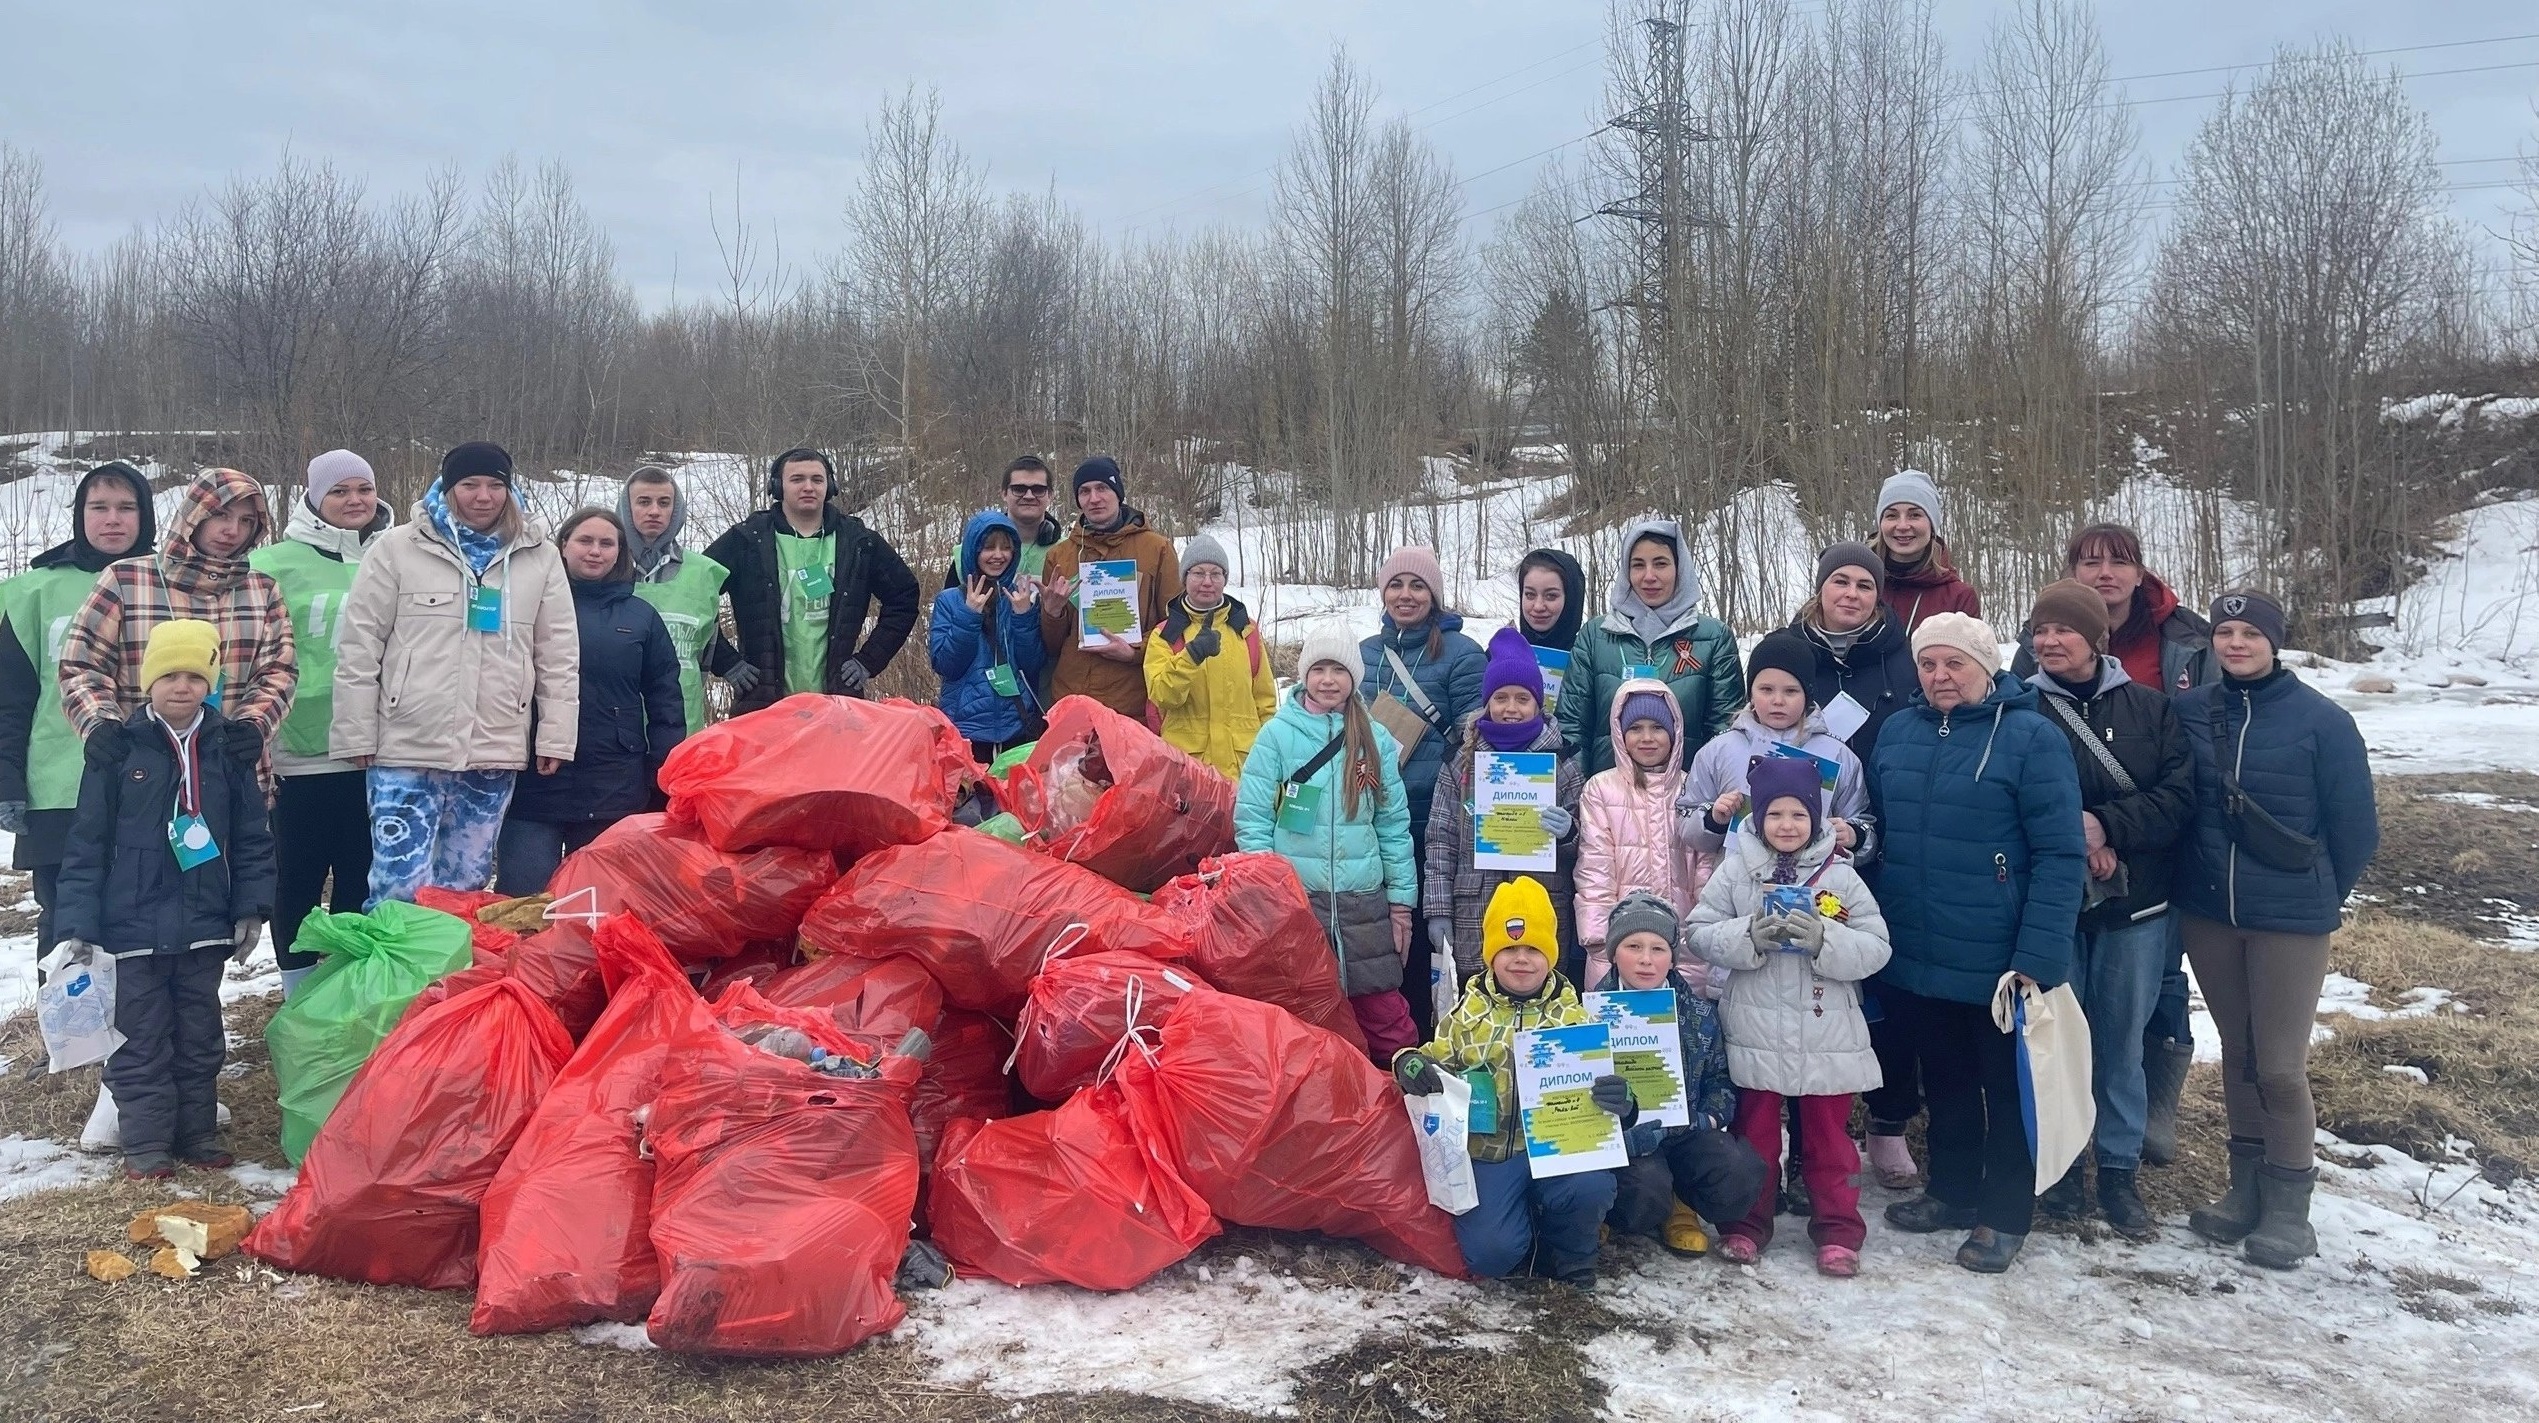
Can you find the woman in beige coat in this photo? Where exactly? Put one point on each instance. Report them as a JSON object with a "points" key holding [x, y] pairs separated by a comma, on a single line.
{"points": [[458, 643]]}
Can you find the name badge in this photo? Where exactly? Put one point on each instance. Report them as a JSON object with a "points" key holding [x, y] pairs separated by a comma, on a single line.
{"points": [[1631, 670], [1298, 807], [192, 841], [1483, 1116], [814, 584], [485, 609], [1002, 681]]}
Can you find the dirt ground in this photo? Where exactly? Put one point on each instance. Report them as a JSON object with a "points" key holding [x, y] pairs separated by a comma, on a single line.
{"points": [[243, 1342]]}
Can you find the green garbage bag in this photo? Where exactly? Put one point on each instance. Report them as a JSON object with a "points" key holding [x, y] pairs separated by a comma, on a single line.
{"points": [[1004, 827], [375, 964], [1011, 759]]}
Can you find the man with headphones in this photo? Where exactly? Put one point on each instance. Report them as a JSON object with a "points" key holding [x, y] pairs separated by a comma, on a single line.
{"points": [[804, 577]]}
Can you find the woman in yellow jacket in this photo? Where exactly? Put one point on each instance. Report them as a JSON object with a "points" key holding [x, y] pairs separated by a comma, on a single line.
{"points": [[1206, 671]]}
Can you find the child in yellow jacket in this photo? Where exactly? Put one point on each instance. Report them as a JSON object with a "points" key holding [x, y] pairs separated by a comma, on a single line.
{"points": [[1517, 990], [1206, 671]]}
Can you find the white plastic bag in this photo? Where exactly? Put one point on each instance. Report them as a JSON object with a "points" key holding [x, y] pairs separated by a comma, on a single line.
{"points": [[1440, 1121], [1443, 991], [76, 1009], [2054, 1094]]}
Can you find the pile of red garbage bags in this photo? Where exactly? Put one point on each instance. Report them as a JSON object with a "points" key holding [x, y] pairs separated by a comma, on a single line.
{"points": [[766, 1039]]}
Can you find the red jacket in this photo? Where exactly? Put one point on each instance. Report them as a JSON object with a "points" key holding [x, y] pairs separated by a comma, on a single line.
{"points": [[1932, 588]]}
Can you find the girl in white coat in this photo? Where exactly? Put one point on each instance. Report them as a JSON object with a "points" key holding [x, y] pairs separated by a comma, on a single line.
{"points": [[1794, 923]]}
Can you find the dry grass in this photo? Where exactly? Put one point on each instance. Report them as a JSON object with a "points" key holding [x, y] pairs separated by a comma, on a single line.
{"points": [[2443, 862]]}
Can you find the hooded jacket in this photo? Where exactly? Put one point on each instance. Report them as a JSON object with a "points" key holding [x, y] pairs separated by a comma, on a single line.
{"points": [[1451, 682], [1626, 834], [1793, 1019], [2163, 644], [1562, 635], [2144, 827], [101, 661], [2299, 755], [1337, 855], [1875, 671], [629, 712], [964, 646], [1450, 885], [1212, 709], [39, 752], [1481, 1032], [866, 574], [1984, 857], [121, 889], [1121, 686], [1722, 762], [1931, 586], [686, 589], [314, 565], [1693, 654], [415, 687]]}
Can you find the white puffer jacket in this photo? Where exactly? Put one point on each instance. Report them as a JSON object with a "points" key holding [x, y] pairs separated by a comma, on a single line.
{"points": [[1793, 1022]]}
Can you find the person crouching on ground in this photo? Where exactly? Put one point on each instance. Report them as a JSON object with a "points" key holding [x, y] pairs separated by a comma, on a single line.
{"points": [[1792, 919], [169, 868], [1518, 990], [1679, 1175], [1322, 790]]}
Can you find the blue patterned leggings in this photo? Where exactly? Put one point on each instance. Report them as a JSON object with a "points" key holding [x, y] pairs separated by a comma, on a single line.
{"points": [[433, 827]]}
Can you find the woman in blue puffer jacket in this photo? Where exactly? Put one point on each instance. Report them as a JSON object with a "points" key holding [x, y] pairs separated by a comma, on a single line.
{"points": [[984, 639], [2258, 894], [1982, 876]]}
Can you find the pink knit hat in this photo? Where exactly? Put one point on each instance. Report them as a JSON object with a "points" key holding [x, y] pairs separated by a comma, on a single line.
{"points": [[1420, 562]]}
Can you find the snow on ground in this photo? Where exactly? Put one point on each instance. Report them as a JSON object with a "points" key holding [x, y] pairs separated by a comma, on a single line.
{"points": [[28, 1165]]}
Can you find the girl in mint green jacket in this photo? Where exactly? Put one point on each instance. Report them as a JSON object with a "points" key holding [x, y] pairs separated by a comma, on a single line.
{"points": [[1322, 789]]}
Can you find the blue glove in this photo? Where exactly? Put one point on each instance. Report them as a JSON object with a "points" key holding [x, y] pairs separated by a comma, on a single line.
{"points": [[1558, 821]]}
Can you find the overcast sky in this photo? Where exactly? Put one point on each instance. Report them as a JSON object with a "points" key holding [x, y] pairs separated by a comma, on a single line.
{"points": [[1141, 113]]}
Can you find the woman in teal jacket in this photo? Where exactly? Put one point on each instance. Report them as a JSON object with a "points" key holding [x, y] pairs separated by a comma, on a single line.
{"points": [[1321, 790], [1651, 629]]}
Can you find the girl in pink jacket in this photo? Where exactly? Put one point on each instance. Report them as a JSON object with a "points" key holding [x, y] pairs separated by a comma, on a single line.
{"points": [[1626, 818]]}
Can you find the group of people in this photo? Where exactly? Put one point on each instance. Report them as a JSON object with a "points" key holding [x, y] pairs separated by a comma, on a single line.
{"points": [[1835, 847]]}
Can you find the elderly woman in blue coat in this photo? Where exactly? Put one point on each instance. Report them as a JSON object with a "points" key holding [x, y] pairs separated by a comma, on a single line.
{"points": [[1982, 876], [984, 639], [2284, 825]]}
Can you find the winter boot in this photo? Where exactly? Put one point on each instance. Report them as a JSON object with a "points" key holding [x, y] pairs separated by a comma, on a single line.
{"points": [[2283, 1237], [1841, 1262], [1928, 1215], [2164, 1074], [1988, 1251], [2228, 1220], [1740, 1249], [1682, 1234], [1892, 1160], [2067, 1199], [2122, 1205], [149, 1166], [212, 1155]]}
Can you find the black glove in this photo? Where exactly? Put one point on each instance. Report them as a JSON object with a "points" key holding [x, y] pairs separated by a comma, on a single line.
{"points": [[13, 816], [107, 744], [853, 680], [1417, 1076], [1644, 1139], [1613, 1095], [1205, 645], [741, 678], [244, 741]]}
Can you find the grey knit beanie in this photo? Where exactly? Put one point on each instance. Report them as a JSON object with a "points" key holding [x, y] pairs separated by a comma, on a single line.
{"points": [[1641, 912]]}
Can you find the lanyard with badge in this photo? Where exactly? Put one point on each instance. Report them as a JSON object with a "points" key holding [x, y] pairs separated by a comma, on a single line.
{"points": [[484, 608], [189, 835]]}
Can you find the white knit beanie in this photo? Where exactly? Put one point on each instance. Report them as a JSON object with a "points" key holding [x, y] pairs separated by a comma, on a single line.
{"points": [[1912, 486], [1331, 643], [333, 468], [1972, 636]]}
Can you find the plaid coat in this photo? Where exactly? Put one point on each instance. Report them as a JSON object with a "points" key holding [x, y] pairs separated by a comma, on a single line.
{"points": [[101, 658], [1449, 885]]}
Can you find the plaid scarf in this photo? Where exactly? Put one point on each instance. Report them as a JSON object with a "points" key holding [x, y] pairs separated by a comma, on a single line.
{"points": [[101, 657]]}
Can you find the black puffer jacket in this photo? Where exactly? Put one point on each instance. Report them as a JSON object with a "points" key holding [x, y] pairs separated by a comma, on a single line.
{"points": [[867, 571], [2144, 828], [121, 888], [1877, 672], [631, 712]]}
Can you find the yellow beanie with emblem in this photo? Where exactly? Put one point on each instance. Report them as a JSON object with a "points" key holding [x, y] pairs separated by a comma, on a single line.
{"points": [[1520, 913], [180, 645]]}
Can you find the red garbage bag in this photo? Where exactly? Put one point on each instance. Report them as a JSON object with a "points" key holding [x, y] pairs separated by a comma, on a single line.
{"points": [[880, 997], [754, 965], [705, 903], [463, 904], [1104, 792], [742, 1007], [1279, 1124], [560, 964], [1253, 933], [388, 1192], [488, 968], [980, 915], [567, 1221], [823, 773], [782, 1204], [963, 1077], [1080, 1008], [1063, 1197]]}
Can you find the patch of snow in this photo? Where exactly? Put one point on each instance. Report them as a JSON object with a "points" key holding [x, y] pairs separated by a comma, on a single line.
{"points": [[614, 1336], [255, 977], [31, 1164], [2485, 801], [260, 1179]]}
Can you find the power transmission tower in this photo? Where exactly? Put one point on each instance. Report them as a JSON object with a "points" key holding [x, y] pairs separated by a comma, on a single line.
{"points": [[1658, 307]]}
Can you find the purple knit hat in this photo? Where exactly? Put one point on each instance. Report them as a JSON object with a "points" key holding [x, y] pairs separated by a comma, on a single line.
{"points": [[1771, 777], [1511, 665]]}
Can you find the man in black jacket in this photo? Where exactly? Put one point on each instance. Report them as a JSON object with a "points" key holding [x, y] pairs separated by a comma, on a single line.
{"points": [[2137, 799], [804, 577]]}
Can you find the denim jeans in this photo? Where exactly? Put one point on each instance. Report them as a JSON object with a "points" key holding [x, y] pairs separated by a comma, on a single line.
{"points": [[2117, 973]]}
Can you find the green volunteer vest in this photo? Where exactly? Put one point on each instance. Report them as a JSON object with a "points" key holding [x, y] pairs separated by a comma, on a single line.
{"points": [[806, 616], [689, 604], [313, 588], [40, 604]]}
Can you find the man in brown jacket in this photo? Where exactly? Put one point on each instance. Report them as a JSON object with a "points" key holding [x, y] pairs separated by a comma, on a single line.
{"points": [[1112, 672]]}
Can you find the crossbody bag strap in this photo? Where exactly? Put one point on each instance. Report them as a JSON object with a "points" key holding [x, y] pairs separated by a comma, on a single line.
{"points": [[1410, 685], [1317, 761], [2080, 727]]}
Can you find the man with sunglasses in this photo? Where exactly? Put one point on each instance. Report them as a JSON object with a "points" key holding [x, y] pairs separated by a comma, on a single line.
{"points": [[1028, 489]]}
